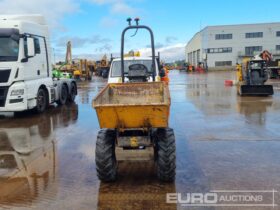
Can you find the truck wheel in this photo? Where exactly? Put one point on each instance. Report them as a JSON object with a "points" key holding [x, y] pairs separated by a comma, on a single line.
{"points": [[105, 158], [63, 95], [165, 154], [73, 92], [41, 101]]}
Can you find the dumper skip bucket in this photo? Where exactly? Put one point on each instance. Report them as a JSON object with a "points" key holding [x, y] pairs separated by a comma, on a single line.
{"points": [[133, 105]]}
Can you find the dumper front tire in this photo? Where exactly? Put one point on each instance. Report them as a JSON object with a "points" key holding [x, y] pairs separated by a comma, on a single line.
{"points": [[105, 158], [165, 154]]}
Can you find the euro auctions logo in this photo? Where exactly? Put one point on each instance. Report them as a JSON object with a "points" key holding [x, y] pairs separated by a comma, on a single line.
{"points": [[192, 198], [231, 198]]}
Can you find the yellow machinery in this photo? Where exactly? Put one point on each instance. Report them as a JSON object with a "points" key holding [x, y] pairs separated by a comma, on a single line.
{"points": [[239, 74], [252, 77], [134, 120], [103, 67], [81, 69], [85, 69], [68, 67], [132, 54]]}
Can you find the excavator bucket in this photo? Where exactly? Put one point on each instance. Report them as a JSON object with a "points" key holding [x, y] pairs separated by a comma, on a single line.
{"points": [[256, 90]]}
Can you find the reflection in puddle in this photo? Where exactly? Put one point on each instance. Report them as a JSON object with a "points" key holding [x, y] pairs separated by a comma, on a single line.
{"points": [[28, 155], [254, 109], [137, 188]]}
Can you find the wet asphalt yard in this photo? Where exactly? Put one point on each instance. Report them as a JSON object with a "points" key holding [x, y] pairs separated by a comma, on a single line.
{"points": [[224, 142]]}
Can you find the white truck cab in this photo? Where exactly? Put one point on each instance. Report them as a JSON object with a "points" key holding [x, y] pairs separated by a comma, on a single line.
{"points": [[115, 70], [25, 66]]}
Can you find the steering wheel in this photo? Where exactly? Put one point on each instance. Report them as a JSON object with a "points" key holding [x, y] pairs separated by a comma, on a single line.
{"points": [[138, 67]]}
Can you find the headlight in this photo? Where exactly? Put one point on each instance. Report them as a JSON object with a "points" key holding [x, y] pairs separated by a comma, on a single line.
{"points": [[17, 92]]}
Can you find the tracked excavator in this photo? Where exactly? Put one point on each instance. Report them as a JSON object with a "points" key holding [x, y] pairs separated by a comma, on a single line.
{"points": [[252, 77]]}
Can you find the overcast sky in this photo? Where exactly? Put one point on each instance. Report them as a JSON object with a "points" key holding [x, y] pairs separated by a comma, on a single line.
{"points": [[94, 26]]}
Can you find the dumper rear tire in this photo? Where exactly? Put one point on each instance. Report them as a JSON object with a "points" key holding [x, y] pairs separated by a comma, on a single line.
{"points": [[165, 154], [105, 158]]}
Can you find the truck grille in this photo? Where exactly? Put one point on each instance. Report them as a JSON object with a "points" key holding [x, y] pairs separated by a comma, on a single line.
{"points": [[3, 95], [4, 75]]}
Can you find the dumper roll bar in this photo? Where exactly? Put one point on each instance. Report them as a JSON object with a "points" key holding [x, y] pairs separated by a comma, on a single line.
{"points": [[152, 46]]}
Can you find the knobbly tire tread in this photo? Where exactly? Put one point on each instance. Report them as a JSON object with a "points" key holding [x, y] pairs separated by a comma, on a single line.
{"points": [[72, 95], [105, 158], [60, 101], [166, 154]]}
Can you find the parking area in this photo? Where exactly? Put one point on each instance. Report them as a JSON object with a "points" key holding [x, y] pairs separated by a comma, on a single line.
{"points": [[223, 141]]}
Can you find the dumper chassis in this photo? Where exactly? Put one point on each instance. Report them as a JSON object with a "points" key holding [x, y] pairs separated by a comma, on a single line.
{"points": [[162, 141], [133, 118]]}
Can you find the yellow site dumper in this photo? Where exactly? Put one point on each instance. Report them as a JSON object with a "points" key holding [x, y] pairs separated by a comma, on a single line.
{"points": [[133, 118], [251, 79]]}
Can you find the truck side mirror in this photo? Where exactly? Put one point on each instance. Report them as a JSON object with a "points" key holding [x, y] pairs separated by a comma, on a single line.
{"points": [[162, 73], [30, 47]]}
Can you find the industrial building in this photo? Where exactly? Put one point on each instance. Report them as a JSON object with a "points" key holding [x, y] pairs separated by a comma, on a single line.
{"points": [[225, 45]]}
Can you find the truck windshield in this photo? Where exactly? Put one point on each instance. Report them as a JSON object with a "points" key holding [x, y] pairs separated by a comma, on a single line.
{"points": [[9, 49], [116, 66]]}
